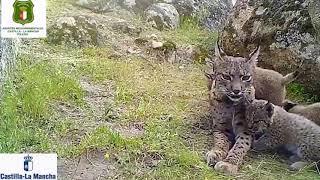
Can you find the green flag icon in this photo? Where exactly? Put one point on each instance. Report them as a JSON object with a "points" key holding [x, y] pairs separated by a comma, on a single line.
{"points": [[23, 12]]}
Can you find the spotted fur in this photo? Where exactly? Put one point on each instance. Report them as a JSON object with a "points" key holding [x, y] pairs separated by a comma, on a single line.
{"points": [[280, 128], [311, 112], [269, 85], [231, 90]]}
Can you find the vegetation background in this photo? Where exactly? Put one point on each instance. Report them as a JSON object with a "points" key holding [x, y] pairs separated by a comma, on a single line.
{"points": [[114, 116]]}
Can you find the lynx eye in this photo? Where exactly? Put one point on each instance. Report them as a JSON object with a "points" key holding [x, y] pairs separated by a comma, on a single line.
{"points": [[226, 77], [246, 78]]}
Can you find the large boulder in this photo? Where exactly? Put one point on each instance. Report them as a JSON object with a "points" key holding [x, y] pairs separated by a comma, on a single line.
{"points": [[98, 5], [186, 7], [285, 31], [129, 4], [210, 13], [75, 31], [314, 11], [163, 16]]}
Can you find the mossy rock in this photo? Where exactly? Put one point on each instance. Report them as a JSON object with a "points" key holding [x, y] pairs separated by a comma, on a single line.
{"points": [[77, 31]]}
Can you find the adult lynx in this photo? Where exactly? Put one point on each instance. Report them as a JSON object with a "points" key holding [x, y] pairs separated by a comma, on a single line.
{"points": [[231, 90]]}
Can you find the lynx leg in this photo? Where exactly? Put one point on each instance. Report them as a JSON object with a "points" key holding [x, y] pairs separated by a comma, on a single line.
{"points": [[304, 154], [220, 148], [236, 154], [266, 142], [297, 166], [294, 158]]}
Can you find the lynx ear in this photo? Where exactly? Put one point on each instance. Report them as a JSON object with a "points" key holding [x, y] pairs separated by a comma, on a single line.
{"points": [[218, 51], [270, 109], [287, 105], [210, 76], [207, 75], [253, 57]]}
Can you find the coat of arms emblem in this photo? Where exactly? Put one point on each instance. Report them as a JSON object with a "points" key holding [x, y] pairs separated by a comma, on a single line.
{"points": [[27, 163], [23, 11]]}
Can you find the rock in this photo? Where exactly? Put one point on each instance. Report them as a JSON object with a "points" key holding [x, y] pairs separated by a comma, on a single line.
{"points": [[185, 54], [286, 32], [213, 13], [142, 5], [186, 7], [156, 44], [210, 13], [98, 5], [314, 11], [170, 52], [129, 4], [141, 41], [163, 16], [153, 36], [131, 50], [75, 31], [188, 54], [126, 28]]}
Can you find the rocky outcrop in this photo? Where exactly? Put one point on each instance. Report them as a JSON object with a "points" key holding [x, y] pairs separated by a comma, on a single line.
{"points": [[286, 32], [98, 5], [186, 7], [314, 11], [165, 13], [163, 16], [75, 31], [210, 13], [129, 4]]}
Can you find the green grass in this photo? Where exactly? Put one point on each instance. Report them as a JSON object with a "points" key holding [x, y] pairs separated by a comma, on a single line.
{"points": [[298, 93], [26, 105], [190, 32], [165, 98], [161, 96]]}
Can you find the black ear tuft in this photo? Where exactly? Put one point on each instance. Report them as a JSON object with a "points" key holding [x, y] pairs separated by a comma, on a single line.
{"points": [[219, 53], [269, 109], [253, 57], [287, 105], [208, 75]]}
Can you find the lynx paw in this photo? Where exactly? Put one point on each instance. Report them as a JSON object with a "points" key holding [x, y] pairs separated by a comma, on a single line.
{"points": [[297, 166], [226, 168], [259, 146], [214, 156]]}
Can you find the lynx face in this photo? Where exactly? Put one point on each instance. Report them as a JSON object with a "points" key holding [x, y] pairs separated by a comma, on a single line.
{"points": [[259, 116], [233, 75]]}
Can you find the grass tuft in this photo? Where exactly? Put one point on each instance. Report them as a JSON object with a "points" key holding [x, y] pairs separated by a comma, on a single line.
{"points": [[26, 105], [298, 93]]}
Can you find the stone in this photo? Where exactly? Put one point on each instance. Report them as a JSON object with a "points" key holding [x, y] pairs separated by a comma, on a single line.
{"points": [[142, 5], [188, 54], [131, 50], [286, 32], [185, 7], [156, 44], [314, 11], [98, 5], [163, 16], [126, 28], [129, 4], [76, 31], [210, 13]]}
